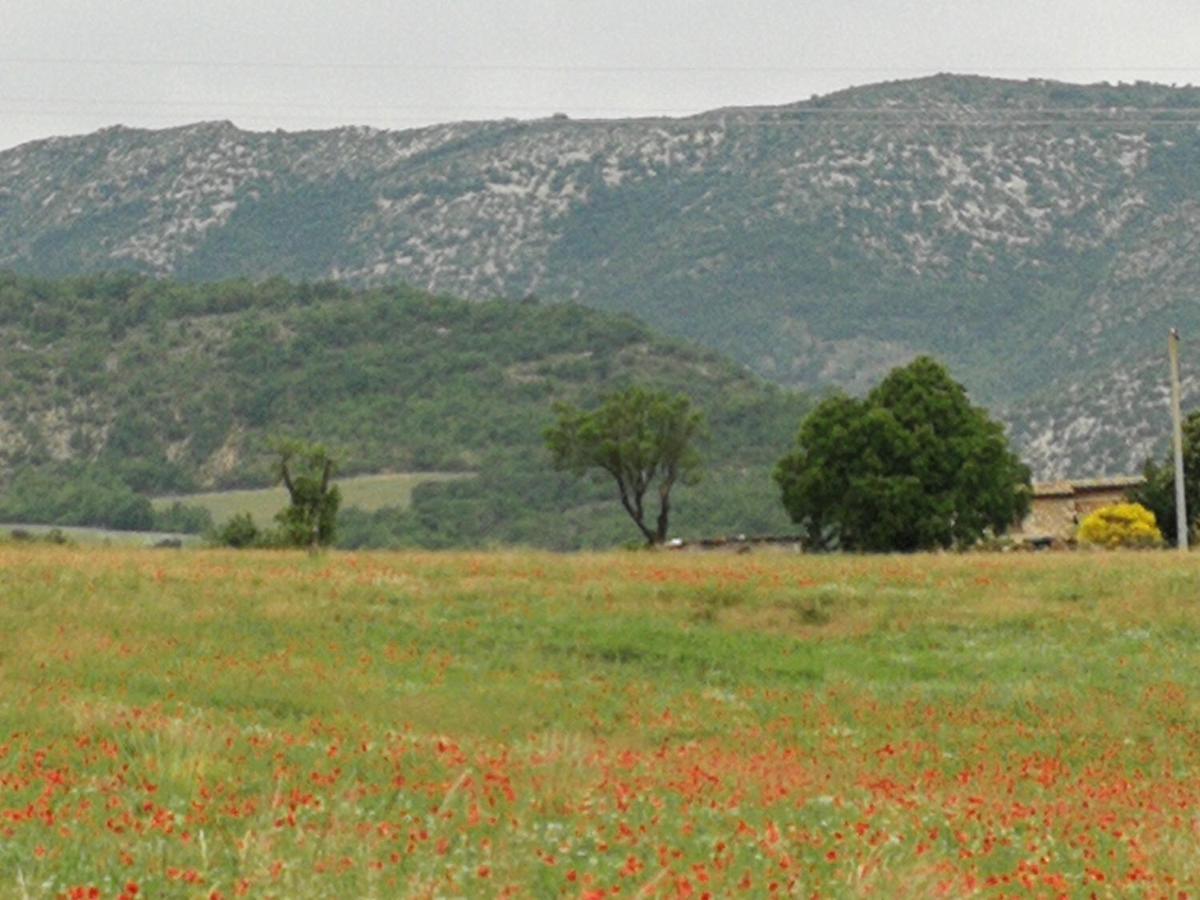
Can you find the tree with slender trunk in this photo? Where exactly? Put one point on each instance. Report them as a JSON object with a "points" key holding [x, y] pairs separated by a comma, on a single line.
{"points": [[643, 439]]}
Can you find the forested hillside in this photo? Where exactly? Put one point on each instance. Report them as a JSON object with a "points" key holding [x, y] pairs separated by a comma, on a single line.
{"points": [[1036, 236], [166, 387]]}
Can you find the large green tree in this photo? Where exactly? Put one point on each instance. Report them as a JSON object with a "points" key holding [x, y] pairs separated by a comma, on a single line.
{"points": [[643, 439], [1158, 493], [914, 466]]}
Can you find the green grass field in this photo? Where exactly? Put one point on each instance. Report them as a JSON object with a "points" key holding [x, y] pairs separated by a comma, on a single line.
{"points": [[209, 723], [366, 492]]}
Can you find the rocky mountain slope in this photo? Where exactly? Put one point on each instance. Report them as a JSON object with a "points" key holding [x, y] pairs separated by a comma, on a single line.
{"points": [[1037, 236]]}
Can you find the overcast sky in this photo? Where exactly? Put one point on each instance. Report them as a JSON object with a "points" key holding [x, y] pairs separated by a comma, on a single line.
{"points": [[71, 66]]}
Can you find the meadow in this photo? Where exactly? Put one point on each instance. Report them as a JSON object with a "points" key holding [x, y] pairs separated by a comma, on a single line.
{"points": [[365, 492], [268, 724]]}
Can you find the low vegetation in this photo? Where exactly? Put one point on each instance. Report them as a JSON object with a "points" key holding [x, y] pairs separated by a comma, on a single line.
{"points": [[655, 724]]}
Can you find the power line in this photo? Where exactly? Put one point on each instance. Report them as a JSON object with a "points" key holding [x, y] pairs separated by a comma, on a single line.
{"points": [[147, 62]]}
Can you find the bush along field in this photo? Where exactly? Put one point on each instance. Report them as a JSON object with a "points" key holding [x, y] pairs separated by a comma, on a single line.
{"points": [[216, 724]]}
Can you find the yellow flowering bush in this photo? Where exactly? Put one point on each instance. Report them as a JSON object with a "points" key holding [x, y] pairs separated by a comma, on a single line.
{"points": [[1121, 525]]}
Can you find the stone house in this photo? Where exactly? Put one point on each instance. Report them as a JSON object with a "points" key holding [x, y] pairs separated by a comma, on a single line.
{"points": [[1059, 506]]}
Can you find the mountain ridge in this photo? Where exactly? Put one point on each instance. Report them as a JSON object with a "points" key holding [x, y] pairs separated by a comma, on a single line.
{"points": [[1038, 236]]}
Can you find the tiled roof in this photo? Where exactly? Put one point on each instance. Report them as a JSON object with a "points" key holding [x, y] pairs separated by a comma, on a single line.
{"points": [[1070, 488], [1053, 489]]}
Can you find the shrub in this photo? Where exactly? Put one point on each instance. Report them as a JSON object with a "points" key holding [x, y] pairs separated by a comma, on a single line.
{"points": [[1121, 525], [240, 531]]}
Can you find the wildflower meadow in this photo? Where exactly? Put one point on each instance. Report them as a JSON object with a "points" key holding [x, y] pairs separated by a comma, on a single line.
{"points": [[209, 724]]}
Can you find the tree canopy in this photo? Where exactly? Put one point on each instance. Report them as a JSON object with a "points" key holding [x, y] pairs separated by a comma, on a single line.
{"points": [[641, 438], [914, 466], [1158, 492]]}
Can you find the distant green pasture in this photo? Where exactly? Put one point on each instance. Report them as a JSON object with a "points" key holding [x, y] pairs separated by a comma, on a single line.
{"points": [[367, 492], [80, 534]]}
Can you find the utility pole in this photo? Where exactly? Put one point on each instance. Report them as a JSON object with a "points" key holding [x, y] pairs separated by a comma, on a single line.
{"points": [[1181, 519]]}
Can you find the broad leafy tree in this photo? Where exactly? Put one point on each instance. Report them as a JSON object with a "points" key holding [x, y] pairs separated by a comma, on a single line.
{"points": [[914, 466], [1158, 493], [306, 470], [644, 440]]}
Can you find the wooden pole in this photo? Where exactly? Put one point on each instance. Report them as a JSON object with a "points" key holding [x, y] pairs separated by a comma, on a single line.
{"points": [[1181, 519]]}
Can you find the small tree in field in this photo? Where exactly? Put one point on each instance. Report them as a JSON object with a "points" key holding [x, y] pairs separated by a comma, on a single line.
{"points": [[310, 519], [643, 439], [1121, 525]]}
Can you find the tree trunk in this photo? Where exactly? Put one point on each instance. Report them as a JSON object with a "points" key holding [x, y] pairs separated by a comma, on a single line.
{"points": [[635, 510], [664, 512]]}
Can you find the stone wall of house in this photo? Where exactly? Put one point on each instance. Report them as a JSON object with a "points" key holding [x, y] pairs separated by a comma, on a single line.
{"points": [[1057, 509], [1053, 517], [1087, 502]]}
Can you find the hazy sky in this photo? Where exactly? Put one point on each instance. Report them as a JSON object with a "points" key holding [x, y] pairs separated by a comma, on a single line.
{"points": [[70, 66]]}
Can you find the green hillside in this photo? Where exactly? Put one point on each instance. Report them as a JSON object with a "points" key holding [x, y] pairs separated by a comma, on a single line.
{"points": [[124, 382]]}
